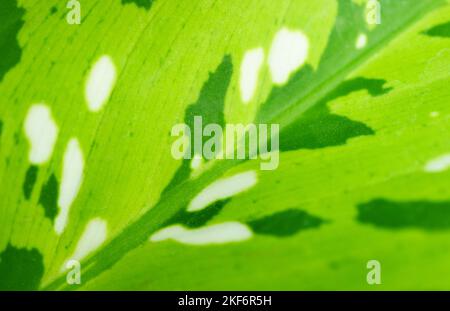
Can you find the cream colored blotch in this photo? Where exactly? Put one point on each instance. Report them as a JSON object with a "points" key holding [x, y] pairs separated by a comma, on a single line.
{"points": [[439, 164], [41, 132], [361, 41], [72, 176], [288, 53], [222, 189], [100, 83], [226, 232], [250, 67], [92, 238]]}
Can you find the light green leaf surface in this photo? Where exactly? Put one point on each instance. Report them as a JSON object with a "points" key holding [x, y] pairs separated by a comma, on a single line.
{"points": [[359, 126]]}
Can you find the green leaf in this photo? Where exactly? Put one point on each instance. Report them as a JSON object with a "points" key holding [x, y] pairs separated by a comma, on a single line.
{"points": [[363, 145]]}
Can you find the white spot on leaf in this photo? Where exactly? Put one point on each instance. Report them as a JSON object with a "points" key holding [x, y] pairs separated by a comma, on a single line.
{"points": [[214, 234], [196, 161], [72, 176], [361, 41], [434, 114], [93, 236], [251, 64], [288, 53], [41, 132], [222, 189], [438, 164], [100, 83]]}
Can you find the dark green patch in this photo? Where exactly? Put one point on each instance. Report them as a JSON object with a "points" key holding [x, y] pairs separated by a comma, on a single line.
{"points": [[11, 23], [319, 128], [209, 105], [211, 101], [285, 223], [146, 4], [53, 10], [29, 181], [442, 30], [49, 196], [425, 215], [20, 269], [1, 127], [197, 219]]}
